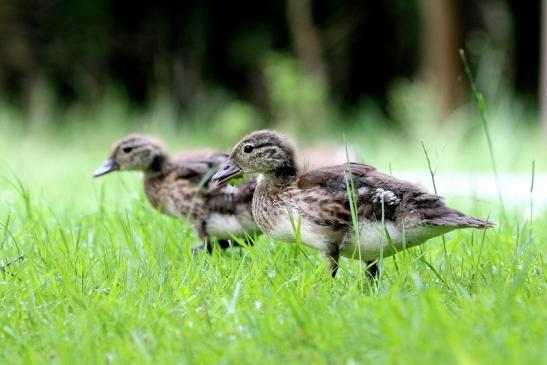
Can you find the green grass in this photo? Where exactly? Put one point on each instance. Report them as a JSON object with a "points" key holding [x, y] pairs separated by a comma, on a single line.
{"points": [[106, 279]]}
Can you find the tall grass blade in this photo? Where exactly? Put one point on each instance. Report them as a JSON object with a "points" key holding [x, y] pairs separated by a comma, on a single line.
{"points": [[432, 172], [352, 197], [481, 104]]}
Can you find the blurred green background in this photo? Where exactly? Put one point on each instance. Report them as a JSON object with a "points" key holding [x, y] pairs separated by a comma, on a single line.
{"points": [[293, 64], [383, 77]]}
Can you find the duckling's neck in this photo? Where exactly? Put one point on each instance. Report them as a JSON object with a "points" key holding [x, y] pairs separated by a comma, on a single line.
{"points": [[266, 202], [280, 178], [153, 178], [160, 166]]}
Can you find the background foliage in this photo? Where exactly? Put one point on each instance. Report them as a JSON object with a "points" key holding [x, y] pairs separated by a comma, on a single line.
{"points": [[194, 54]]}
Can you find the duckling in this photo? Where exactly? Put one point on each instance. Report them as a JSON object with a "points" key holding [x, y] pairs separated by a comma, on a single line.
{"points": [[180, 186], [315, 207]]}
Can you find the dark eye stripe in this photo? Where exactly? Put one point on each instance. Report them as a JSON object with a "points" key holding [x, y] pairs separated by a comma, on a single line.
{"points": [[266, 144]]}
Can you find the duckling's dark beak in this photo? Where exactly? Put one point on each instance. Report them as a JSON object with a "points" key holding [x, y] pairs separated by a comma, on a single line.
{"points": [[228, 171], [107, 166]]}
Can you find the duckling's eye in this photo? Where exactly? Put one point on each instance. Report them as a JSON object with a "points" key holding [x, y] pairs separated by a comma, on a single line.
{"points": [[248, 148], [127, 149]]}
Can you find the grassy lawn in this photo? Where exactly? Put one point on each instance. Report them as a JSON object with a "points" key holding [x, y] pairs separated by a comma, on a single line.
{"points": [[103, 278]]}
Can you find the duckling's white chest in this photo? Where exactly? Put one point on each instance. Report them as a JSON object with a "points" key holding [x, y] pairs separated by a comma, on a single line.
{"points": [[289, 226], [278, 218], [225, 225]]}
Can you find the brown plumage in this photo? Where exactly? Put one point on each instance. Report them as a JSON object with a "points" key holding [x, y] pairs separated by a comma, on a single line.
{"points": [[315, 206], [180, 186]]}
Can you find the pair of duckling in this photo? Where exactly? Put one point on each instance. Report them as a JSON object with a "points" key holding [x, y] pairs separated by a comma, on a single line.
{"points": [[349, 210]]}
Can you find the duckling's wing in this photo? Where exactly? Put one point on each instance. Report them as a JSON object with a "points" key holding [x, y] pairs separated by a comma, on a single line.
{"points": [[409, 199], [327, 187], [453, 218], [380, 195], [191, 170], [199, 170], [229, 199], [334, 178]]}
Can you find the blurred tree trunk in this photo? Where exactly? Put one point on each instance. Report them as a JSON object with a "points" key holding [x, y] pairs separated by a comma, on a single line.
{"points": [[543, 68], [441, 41], [305, 37], [20, 69]]}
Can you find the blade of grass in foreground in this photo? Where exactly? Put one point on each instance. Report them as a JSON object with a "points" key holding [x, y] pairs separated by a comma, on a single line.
{"points": [[352, 198], [481, 104], [432, 172]]}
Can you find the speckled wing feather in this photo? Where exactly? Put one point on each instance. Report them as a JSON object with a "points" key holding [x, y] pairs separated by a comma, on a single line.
{"points": [[327, 187], [381, 195], [332, 178], [411, 200]]}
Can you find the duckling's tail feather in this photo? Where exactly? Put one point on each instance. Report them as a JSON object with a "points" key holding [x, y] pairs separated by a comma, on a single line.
{"points": [[457, 219]]}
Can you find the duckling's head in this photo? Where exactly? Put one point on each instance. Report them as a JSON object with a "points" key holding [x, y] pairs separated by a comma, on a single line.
{"points": [[134, 152], [264, 152]]}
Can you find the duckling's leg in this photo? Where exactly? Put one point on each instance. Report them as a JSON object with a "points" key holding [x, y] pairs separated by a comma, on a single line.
{"points": [[204, 246], [234, 243], [224, 244], [204, 238], [372, 269], [332, 255], [199, 248]]}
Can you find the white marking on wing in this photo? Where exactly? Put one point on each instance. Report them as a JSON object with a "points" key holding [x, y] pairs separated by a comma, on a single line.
{"points": [[362, 191], [388, 197]]}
